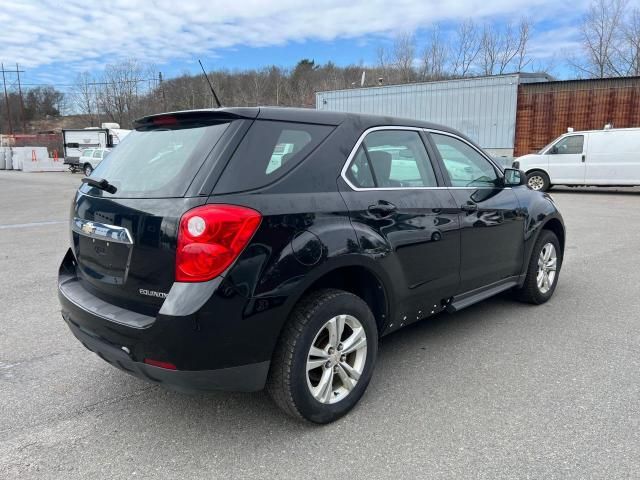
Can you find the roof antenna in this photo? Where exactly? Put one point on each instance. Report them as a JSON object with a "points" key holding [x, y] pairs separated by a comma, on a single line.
{"points": [[210, 85]]}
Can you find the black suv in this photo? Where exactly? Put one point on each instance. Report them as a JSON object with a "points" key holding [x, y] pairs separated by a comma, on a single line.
{"points": [[247, 248]]}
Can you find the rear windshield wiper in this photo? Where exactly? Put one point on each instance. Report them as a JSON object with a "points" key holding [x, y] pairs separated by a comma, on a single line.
{"points": [[101, 183]]}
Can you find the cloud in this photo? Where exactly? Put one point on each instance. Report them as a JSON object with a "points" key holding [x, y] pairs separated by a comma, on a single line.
{"points": [[81, 34]]}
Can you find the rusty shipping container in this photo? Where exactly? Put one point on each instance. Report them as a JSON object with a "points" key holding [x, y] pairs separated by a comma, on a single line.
{"points": [[545, 110]]}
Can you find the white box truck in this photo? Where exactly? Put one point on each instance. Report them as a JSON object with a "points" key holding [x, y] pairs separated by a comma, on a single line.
{"points": [[75, 141], [605, 158]]}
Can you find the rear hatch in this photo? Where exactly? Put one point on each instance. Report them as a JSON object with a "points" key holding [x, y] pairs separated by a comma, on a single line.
{"points": [[125, 241]]}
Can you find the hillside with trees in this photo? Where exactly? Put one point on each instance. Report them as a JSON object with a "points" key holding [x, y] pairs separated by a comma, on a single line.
{"points": [[121, 92]]}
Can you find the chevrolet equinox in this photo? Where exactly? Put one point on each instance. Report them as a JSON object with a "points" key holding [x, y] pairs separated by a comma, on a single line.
{"points": [[250, 248]]}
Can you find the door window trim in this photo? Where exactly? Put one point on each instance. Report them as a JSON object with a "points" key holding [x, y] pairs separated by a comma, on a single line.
{"points": [[354, 151], [429, 147]]}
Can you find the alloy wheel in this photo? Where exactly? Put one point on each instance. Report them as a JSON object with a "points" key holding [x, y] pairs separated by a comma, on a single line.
{"points": [[336, 359], [547, 268]]}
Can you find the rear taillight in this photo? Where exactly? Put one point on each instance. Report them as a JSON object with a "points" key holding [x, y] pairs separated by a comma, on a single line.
{"points": [[210, 238]]}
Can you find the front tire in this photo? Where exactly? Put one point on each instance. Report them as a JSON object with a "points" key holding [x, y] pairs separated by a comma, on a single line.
{"points": [[538, 181], [325, 356], [543, 270]]}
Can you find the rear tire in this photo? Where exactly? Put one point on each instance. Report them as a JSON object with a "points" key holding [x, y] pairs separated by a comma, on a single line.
{"points": [[538, 181], [543, 271], [306, 358], [88, 169]]}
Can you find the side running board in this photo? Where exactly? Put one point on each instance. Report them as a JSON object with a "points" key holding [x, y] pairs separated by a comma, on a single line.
{"points": [[474, 296]]}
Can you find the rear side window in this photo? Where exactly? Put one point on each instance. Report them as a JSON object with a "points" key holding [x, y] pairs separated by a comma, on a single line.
{"points": [[268, 151], [158, 162]]}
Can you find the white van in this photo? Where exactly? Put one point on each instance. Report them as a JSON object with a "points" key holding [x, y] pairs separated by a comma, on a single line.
{"points": [[609, 157]]}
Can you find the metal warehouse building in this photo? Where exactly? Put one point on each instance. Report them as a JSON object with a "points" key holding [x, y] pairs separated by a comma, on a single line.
{"points": [[483, 108], [508, 115]]}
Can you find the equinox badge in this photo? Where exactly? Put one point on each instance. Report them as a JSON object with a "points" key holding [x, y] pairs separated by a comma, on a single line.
{"points": [[152, 293]]}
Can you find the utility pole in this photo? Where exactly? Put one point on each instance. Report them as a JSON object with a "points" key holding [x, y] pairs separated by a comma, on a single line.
{"points": [[24, 124], [164, 98], [6, 100]]}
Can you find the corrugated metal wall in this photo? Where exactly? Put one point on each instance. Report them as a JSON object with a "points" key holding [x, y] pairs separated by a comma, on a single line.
{"points": [[546, 110], [482, 108]]}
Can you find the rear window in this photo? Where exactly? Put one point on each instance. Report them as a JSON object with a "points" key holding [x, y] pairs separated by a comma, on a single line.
{"points": [[268, 151], [157, 162]]}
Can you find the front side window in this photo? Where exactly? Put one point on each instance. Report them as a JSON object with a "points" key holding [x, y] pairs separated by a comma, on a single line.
{"points": [[568, 145], [392, 159], [87, 153], [97, 154], [464, 164]]}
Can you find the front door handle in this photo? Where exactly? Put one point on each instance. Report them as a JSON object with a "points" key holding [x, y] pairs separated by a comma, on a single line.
{"points": [[469, 207], [382, 209], [584, 157]]}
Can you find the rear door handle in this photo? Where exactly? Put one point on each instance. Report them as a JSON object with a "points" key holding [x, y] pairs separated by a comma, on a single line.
{"points": [[382, 209], [584, 157], [469, 207]]}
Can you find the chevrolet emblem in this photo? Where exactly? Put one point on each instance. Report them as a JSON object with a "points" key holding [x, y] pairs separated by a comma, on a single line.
{"points": [[88, 228]]}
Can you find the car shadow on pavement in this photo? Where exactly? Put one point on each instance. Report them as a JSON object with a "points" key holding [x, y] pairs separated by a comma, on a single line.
{"points": [[427, 344]]}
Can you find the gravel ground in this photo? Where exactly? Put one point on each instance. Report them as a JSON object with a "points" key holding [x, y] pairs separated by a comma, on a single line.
{"points": [[500, 390]]}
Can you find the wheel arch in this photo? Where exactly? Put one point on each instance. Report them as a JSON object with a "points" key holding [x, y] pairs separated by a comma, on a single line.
{"points": [[555, 225], [538, 169], [361, 280]]}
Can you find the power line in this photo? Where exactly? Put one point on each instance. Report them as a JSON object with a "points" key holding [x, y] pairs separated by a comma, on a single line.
{"points": [[137, 80]]}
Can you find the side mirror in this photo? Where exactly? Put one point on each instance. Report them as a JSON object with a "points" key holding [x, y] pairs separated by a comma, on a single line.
{"points": [[554, 150], [516, 165], [514, 177]]}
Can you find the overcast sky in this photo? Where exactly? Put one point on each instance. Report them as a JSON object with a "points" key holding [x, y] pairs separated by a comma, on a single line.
{"points": [[53, 40]]}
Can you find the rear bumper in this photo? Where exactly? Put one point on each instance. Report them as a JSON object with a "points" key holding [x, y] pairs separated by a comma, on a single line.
{"points": [[210, 351], [243, 378]]}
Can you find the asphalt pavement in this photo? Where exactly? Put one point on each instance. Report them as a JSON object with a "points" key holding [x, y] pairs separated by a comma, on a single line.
{"points": [[500, 390]]}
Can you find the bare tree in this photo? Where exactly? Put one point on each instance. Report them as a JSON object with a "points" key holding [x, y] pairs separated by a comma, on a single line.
{"points": [[434, 56], [259, 81], [384, 65], [504, 50], [629, 50], [84, 96], [489, 49], [277, 78], [404, 48], [600, 34], [465, 49], [522, 56]]}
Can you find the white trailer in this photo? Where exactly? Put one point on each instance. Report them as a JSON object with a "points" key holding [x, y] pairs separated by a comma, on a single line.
{"points": [[75, 141]]}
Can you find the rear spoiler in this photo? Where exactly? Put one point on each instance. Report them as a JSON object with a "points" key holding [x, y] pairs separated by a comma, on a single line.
{"points": [[204, 116]]}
